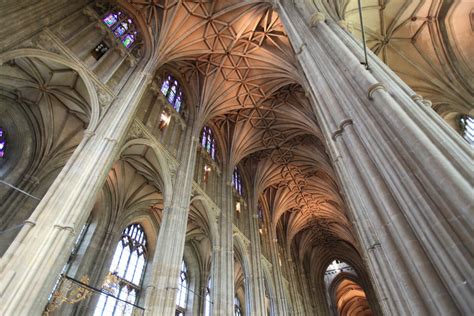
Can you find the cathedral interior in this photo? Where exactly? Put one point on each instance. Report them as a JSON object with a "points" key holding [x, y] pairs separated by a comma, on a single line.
{"points": [[236, 157]]}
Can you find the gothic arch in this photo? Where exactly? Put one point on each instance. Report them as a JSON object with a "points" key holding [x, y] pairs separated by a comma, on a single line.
{"points": [[241, 278], [163, 168], [201, 207], [268, 282], [93, 102], [344, 306]]}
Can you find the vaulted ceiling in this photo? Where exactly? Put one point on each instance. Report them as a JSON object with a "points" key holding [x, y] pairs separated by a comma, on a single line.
{"points": [[428, 43], [244, 82]]}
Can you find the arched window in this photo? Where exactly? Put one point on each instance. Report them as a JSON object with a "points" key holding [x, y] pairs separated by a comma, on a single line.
{"points": [[260, 214], [207, 299], [128, 265], [3, 143], [183, 284], [208, 142], [467, 127], [237, 181], [237, 307], [172, 91], [122, 26]]}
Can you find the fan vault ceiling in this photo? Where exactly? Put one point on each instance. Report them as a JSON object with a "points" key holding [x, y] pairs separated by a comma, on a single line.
{"points": [[244, 82]]}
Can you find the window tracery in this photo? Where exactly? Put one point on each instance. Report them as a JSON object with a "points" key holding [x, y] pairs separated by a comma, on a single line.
{"points": [[128, 265], [208, 142], [237, 181], [237, 307], [122, 26], [467, 128], [183, 285], [172, 91]]}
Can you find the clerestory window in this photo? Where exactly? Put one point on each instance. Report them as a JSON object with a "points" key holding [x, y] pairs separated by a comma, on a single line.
{"points": [[237, 181], [467, 128], [122, 26], [172, 91], [3, 143], [208, 142]]}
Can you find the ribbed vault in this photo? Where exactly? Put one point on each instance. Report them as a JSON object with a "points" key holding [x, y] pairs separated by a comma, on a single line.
{"points": [[237, 60], [428, 43]]}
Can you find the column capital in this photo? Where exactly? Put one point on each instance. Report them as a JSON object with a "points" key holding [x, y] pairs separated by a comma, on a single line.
{"points": [[316, 18]]}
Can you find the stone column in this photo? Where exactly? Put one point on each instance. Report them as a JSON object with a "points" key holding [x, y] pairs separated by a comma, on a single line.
{"points": [[405, 175], [223, 278], [281, 307], [256, 283], [161, 294], [34, 260]]}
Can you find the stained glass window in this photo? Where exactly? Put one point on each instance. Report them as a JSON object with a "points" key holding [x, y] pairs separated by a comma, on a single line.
{"points": [[183, 284], [208, 142], [237, 181], [165, 86], [237, 308], [3, 143], [128, 40], [111, 19], [172, 91], [128, 264], [122, 27]]}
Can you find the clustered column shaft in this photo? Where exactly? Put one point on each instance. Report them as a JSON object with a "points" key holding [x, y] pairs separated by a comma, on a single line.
{"points": [[404, 174]]}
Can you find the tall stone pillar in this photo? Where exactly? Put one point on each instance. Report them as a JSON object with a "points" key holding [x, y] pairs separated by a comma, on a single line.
{"points": [[256, 280], [281, 306], [34, 260], [404, 174], [162, 290], [223, 277]]}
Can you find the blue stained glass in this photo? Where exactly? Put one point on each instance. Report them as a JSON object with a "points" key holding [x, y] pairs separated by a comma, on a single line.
{"points": [[110, 19], [120, 30], [165, 86], [172, 93], [204, 137], [208, 143], [177, 103], [213, 151]]}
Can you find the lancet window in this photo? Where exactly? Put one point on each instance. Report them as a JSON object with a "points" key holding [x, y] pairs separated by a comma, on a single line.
{"points": [[183, 286], [128, 265], [122, 26], [237, 181], [172, 91], [467, 126], [237, 307], [208, 142], [3, 143]]}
